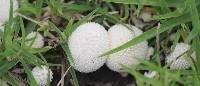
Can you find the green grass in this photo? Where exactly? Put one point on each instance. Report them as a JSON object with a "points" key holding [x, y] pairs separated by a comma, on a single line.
{"points": [[185, 12]]}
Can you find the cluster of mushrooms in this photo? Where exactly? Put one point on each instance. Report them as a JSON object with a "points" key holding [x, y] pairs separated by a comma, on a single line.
{"points": [[90, 40]]}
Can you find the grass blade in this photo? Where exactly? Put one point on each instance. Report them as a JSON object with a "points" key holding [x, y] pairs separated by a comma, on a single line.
{"points": [[151, 33], [169, 3]]}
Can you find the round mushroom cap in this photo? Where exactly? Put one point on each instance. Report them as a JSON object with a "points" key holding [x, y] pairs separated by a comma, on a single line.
{"points": [[5, 9], [119, 35], [86, 43], [177, 59], [146, 16], [42, 74], [35, 40]]}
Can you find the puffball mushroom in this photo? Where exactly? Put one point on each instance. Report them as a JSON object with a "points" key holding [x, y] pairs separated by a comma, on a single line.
{"points": [[86, 43], [150, 74], [118, 35], [177, 59], [5, 9], [42, 74], [147, 14], [35, 40]]}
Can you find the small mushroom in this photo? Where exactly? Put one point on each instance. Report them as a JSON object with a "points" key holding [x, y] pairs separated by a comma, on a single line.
{"points": [[5, 9], [147, 14], [146, 17], [35, 40], [42, 74], [86, 43], [150, 52], [150, 74], [119, 35], [178, 58], [172, 36]]}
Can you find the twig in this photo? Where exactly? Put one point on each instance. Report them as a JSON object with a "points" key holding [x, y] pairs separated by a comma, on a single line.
{"points": [[62, 78], [30, 19], [158, 43]]}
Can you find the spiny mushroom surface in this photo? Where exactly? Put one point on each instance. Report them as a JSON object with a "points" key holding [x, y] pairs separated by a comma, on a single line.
{"points": [[35, 40], [86, 43], [42, 74], [178, 58], [119, 35], [5, 9]]}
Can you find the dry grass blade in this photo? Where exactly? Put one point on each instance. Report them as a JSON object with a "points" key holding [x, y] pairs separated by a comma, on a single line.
{"points": [[63, 77]]}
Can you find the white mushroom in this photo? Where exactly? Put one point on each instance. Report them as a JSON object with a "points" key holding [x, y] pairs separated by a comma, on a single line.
{"points": [[150, 52], [86, 43], [178, 59], [172, 36], [35, 40], [5, 9], [119, 35], [147, 14], [42, 74], [150, 74], [146, 17]]}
